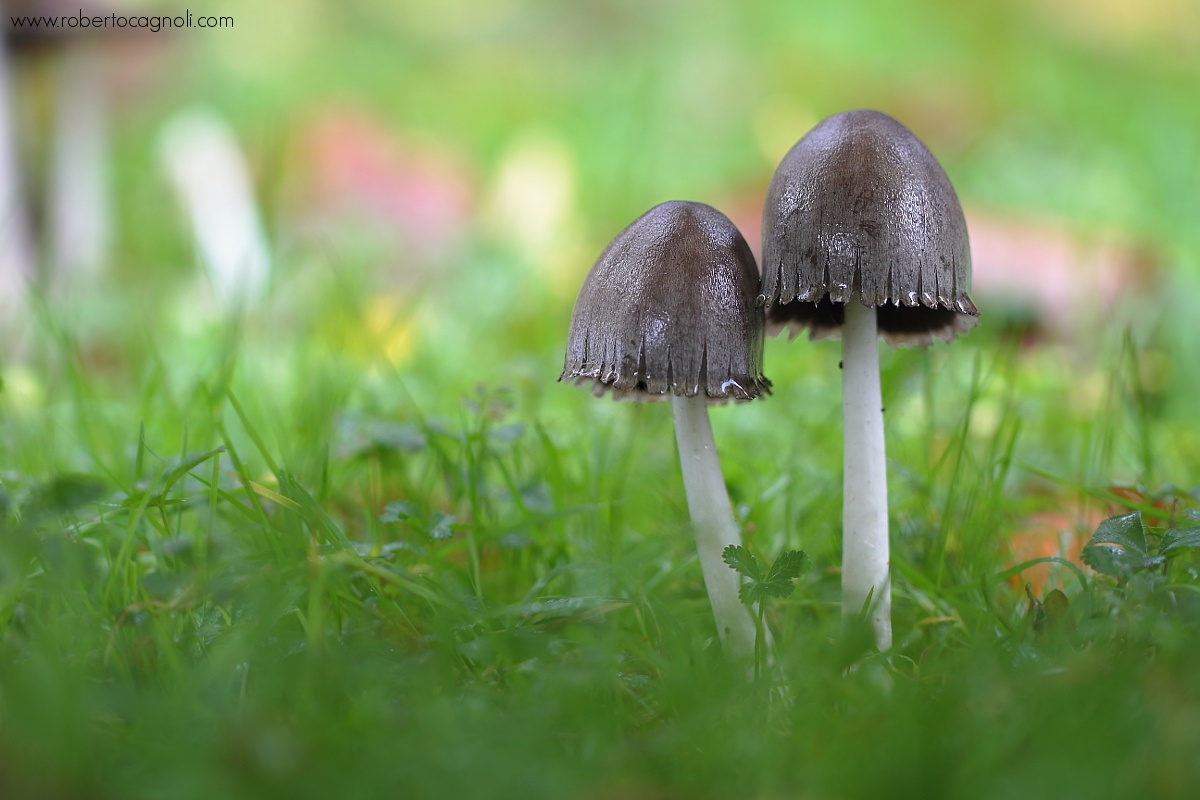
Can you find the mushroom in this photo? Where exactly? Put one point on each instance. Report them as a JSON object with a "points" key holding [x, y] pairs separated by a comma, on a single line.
{"points": [[863, 235], [206, 165], [671, 310]]}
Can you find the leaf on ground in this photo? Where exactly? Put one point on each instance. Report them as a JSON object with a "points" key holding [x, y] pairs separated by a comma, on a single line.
{"points": [[1119, 547], [440, 526], [1126, 531], [437, 526], [1179, 539], [1058, 607], [1051, 613], [399, 511]]}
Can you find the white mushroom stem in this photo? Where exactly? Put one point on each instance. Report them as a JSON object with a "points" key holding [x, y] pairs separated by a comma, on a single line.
{"points": [[712, 523], [865, 558]]}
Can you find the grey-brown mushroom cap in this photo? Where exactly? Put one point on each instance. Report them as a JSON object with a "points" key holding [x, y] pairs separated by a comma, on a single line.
{"points": [[671, 308], [861, 205]]}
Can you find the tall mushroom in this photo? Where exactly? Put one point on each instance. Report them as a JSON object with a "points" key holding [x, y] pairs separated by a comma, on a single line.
{"points": [[864, 236], [670, 309]]}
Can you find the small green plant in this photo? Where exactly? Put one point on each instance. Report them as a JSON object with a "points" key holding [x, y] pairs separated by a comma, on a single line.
{"points": [[1124, 548], [762, 584], [1157, 579]]}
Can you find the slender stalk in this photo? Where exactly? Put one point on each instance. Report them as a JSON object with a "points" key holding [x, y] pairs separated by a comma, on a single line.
{"points": [[205, 162], [865, 559], [760, 643], [712, 523], [17, 255]]}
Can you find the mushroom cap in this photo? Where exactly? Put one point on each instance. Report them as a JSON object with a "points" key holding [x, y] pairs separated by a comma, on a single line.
{"points": [[671, 307], [860, 205]]}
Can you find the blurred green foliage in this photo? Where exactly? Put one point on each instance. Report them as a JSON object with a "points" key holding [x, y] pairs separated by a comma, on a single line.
{"points": [[1081, 111]]}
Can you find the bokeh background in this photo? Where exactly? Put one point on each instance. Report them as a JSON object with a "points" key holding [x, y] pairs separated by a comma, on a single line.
{"points": [[408, 138]]}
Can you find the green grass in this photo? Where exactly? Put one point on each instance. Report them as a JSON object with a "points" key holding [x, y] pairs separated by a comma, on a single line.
{"points": [[361, 544], [248, 565]]}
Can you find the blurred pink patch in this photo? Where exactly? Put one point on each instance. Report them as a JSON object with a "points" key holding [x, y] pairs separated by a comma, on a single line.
{"points": [[359, 170], [1050, 534], [1063, 534], [1058, 276], [745, 210]]}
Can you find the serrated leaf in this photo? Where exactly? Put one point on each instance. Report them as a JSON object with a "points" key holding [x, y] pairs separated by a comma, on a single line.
{"points": [[1126, 531], [1179, 539], [399, 511], [439, 526], [1119, 547], [742, 561], [752, 593], [790, 564], [777, 580], [786, 568]]}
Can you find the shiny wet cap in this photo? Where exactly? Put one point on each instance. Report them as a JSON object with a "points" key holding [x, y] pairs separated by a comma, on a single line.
{"points": [[671, 308], [861, 205]]}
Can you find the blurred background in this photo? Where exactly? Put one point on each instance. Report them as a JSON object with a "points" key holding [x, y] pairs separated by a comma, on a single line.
{"points": [[408, 136], [426, 185]]}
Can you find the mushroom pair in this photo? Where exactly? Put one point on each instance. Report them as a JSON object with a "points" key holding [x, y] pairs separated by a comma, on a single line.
{"points": [[863, 236]]}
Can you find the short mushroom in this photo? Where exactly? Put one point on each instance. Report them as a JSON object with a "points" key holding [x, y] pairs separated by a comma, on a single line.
{"points": [[863, 235], [670, 310]]}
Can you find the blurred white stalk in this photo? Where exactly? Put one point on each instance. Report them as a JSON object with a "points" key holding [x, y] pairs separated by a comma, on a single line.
{"points": [[79, 212], [16, 246], [208, 171]]}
